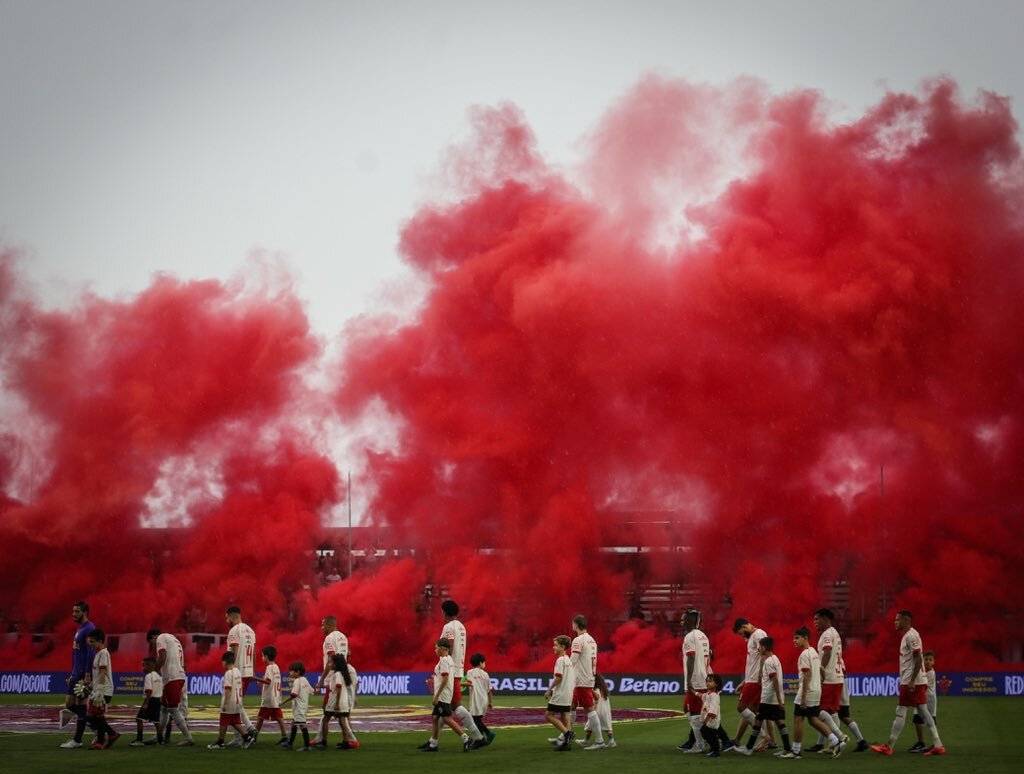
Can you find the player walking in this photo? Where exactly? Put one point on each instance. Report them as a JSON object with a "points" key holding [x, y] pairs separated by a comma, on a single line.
{"points": [[334, 642], [242, 643], [913, 687], [584, 662], [750, 693], [696, 667], [455, 631], [81, 670], [170, 662]]}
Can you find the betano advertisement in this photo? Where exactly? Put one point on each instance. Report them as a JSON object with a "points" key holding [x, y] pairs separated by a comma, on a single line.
{"points": [[526, 684]]}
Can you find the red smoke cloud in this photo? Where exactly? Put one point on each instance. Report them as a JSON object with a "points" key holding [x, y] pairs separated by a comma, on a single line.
{"points": [[642, 357]]}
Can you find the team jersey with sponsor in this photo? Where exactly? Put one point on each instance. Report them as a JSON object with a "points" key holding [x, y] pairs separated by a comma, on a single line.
{"points": [[830, 642], [154, 684], [300, 693], [244, 638], [231, 692], [174, 660], [909, 645], [479, 688], [752, 672], [696, 644], [561, 696], [771, 674], [809, 668], [271, 694], [102, 683], [711, 709], [335, 642], [455, 631], [81, 654], [584, 660]]}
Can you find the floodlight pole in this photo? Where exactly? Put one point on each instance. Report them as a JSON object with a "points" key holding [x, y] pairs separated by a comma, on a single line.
{"points": [[350, 524]]}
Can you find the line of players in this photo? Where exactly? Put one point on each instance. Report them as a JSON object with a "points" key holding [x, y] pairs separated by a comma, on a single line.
{"points": [[90, 686], [821, 696]]}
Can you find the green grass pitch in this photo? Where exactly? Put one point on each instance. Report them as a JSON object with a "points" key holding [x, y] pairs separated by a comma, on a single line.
{"points": [[981, 734]]}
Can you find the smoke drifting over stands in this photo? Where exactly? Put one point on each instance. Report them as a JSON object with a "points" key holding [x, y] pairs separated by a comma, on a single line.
{"points": [[757, 352]]}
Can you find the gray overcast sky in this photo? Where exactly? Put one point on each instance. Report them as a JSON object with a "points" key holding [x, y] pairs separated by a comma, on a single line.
{"points": [[142, 136]]}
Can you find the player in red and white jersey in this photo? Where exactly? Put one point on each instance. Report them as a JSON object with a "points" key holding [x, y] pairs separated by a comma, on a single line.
{"points": [[334, 642], [833, 677], [808, 696], [455, 632], [170, 662], [270, 696], [584, 662], [231, 704], [696, 668], [750, 693], [913, 687], [772, 703], [241, 642]]}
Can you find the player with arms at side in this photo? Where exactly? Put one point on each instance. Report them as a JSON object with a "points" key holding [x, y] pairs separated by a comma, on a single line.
{"points": [[455, 631], [913, 687], [170, 662], [241, 642], [334, 642], [750, 691], [152, 689], [441, 700], [102, 692], [808, 697], [696, 668], [772, 704], [584, 663], [559, 694], [833, 681], [81, 670]]}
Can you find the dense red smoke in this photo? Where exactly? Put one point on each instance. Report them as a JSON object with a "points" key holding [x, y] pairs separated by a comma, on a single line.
{"points": [[796, 389]]}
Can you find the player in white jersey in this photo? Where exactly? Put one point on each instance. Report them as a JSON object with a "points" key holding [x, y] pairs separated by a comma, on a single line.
{"points": [[299, 695], [932, 702], [833, 678], [603, 697], [696, 667], [481, 694], [170, 661], [102, 692], [913, 687], [455, 632], [584, 662], [444, 672], [772, 705], [559, 695], [750, 693], [152, 690], [710, 714], [231, 703], [270, 695], [808, 697], [334, 642], [241, 642]]}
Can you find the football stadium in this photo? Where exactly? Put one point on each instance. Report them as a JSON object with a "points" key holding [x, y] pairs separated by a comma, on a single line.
{"points": [[683, 420]]}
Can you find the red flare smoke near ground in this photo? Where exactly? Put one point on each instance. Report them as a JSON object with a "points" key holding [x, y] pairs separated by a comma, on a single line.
{"points": [[621, 396]]}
